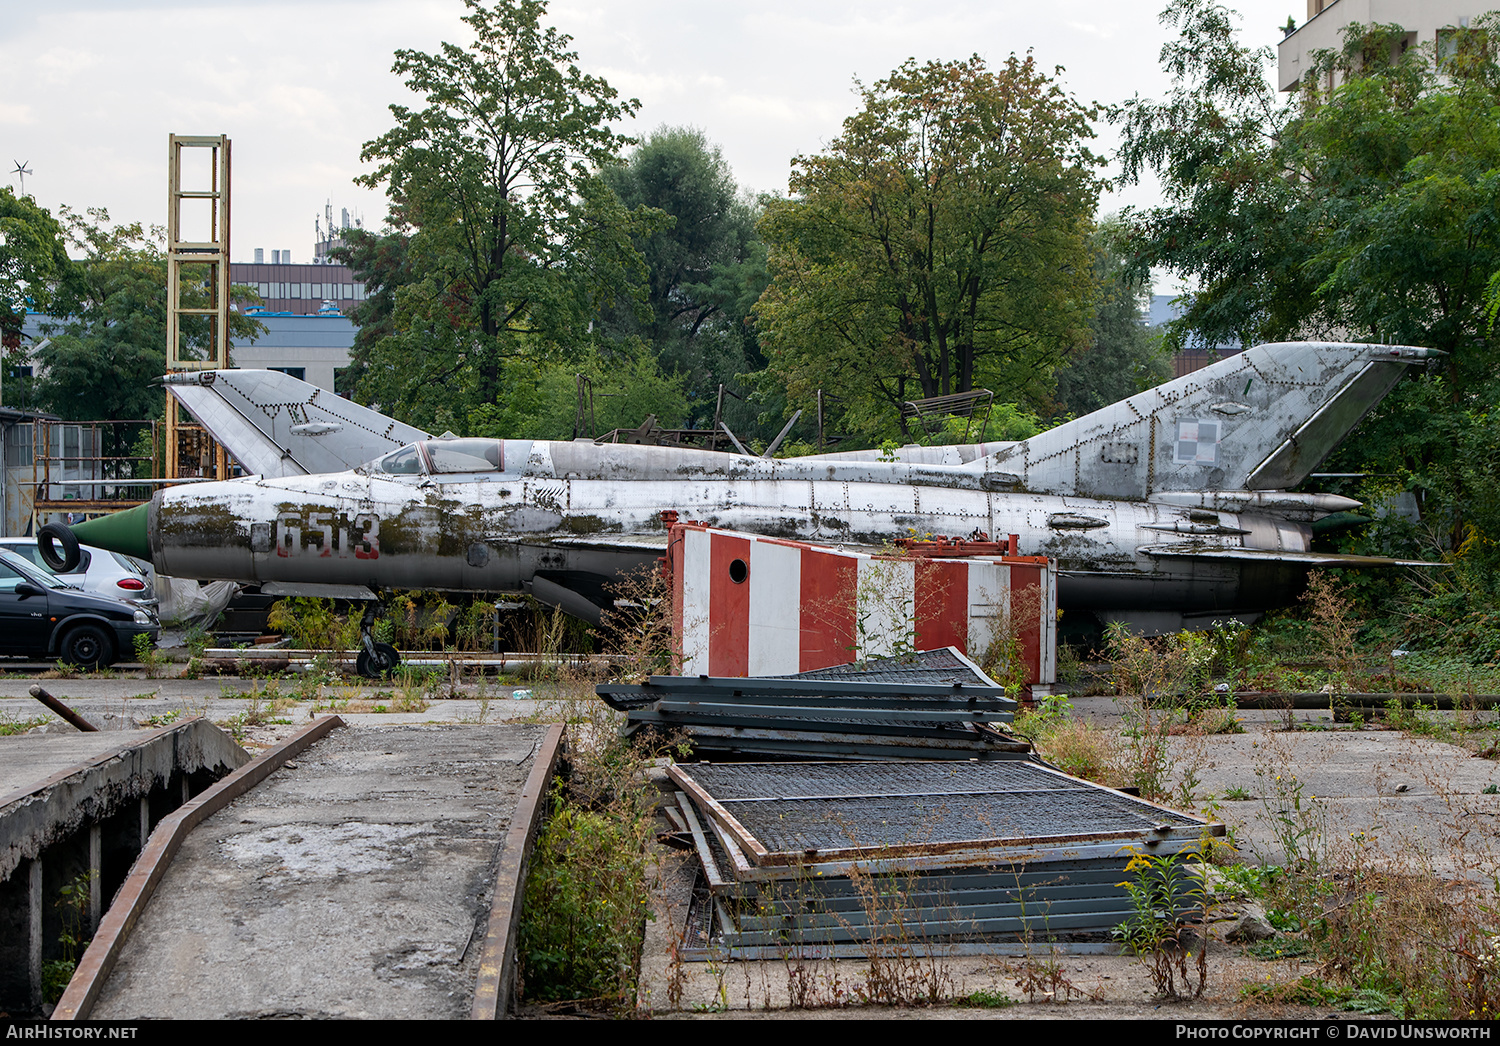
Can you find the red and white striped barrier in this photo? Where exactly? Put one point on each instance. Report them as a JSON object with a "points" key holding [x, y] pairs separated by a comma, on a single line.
{"points": [[748, 605]]}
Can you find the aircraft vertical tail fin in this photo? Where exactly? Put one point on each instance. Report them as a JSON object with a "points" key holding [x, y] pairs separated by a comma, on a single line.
{"points": [[276, 425], [1260, 420]]}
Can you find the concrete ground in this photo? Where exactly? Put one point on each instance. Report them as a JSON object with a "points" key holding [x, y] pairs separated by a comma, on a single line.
{"points": [[1375, 795], [1392, 796], [356, 882]]}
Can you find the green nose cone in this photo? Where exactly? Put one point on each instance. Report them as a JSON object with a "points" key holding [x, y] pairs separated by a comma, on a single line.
{"points": [[123, 532]]}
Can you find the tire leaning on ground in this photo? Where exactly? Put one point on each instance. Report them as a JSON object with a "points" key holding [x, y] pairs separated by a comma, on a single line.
{"points": [[87, 646], [47, 540]]}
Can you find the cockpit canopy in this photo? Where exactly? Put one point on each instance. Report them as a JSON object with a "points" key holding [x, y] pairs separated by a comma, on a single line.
{"points": [[442, 457]]}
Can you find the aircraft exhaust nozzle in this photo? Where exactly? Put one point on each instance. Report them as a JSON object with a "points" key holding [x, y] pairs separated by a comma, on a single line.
{"points": [[123, 532]]}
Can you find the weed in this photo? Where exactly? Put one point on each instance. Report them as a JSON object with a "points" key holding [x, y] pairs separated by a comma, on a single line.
{"points": [[196, 638], [62, 670], [10, 725], [1161, 887], [1298, 820], [313, 624], [985, 998], [150, 658], [1074, 746], [586, 898], [1046, 980], [73, 907], [1236, 794], [639, 628], [163, 718], [263, 709], [1305, 991]]}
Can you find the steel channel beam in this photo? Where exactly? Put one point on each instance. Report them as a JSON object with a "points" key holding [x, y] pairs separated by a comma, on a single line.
{"points": [[709, 686], [809, 699], [914, 949], [1100, 909], [900, 745], [716, 881], [816, 905], [166, 839], [717, 710], [497, 955], [745, 872], [833, 721], [1092, 922], [822, 748]]}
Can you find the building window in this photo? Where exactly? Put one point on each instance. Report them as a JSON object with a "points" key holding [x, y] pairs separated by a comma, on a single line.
{"points": [[300, 373]]}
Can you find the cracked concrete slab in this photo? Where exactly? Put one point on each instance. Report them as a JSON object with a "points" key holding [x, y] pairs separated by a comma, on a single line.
{"points": [[354, 883]]}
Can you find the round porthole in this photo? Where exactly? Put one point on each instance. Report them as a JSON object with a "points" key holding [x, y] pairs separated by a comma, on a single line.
{"points": [[739, 570]]}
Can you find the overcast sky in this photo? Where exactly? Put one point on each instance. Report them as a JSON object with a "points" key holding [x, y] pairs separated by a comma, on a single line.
{"points": [[90, 89]]}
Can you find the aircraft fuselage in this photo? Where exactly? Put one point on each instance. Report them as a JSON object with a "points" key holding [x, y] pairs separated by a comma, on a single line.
{"points": [[579, 517]]}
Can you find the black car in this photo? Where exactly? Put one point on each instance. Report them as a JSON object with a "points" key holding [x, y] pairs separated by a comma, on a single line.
{"points": [[41, 616]]}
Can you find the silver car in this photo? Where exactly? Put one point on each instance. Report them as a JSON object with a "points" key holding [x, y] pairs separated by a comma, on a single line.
{"points": [[99, 572]]}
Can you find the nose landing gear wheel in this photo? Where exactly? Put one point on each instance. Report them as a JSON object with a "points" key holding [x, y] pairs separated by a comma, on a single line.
{"points": [[378, 661]]}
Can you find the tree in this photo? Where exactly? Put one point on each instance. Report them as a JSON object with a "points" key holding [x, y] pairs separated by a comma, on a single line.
{"points": [[34, 264], [705, 266], [1371, 211], [108, 346], [1122, 357], [514, 241], [938, 245], [382, 262]]}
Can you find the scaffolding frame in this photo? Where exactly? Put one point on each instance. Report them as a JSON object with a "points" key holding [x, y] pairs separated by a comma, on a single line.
{"points": [[212, 255]]}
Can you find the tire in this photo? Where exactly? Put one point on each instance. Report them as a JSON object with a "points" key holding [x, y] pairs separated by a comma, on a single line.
{"points": [[87, 646], [64, 562], [382, 664]]}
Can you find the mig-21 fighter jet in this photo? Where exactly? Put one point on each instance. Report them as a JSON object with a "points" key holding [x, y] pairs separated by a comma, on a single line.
{"points": [[1167, 509]]}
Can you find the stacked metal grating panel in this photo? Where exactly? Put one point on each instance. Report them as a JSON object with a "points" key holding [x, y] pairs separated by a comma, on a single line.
{"points": [[832, 859], [934, 705]]}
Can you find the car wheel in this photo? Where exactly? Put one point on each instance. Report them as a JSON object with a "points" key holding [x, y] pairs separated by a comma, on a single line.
{"points": [[381, 664], [87, 646]]}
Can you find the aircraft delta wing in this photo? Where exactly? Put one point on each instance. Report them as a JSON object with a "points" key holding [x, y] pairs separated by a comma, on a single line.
{"points": [[1168, 508]]}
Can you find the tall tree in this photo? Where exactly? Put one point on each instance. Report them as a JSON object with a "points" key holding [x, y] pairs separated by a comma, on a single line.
{"points": [[108, 344], [514, 240], [705, 265], [939, 245], [1122, 357], [1371, 211], [34, 264]]}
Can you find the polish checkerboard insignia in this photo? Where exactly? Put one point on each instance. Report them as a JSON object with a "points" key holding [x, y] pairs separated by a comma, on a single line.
{"points": [[1197, 443]]}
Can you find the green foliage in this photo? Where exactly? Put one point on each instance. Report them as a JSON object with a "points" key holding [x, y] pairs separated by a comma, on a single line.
{"points": [[705, 265], [938, 245], [146, 653], [985, 998], [627, 382], [11, 724], [73, 908], [313, 624], [512, 240], [1371, 211], [586, 902], [1161, 887], [34, 264], [1123, 357], [109, 347]]}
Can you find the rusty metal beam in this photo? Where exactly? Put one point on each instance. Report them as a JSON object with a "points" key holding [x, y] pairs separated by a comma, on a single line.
{"points": [[166, 839]]}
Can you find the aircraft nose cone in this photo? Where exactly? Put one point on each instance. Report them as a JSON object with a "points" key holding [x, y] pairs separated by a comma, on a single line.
{"points": [[123, 532]]}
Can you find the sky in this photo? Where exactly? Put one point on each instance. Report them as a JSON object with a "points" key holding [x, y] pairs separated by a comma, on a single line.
{"points": [[90, 89]]}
